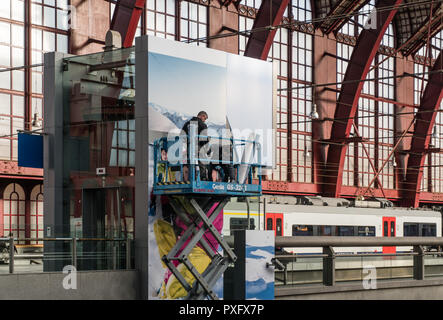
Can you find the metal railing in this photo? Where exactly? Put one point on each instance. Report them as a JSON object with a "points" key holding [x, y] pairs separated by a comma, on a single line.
{"points": [[9, 255], [329, 255], [253, 161]]}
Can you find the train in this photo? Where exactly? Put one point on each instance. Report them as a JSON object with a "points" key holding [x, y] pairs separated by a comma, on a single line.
{"points": [[301, 220]]}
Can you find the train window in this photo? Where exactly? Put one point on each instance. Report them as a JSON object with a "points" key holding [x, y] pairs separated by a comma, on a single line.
{"points": [[410, 230], [241, 224], [325, 230], [385, 229], [392, 228], [269, 224], [366, 231], [302, 230], [345, 231], [428, 230]]}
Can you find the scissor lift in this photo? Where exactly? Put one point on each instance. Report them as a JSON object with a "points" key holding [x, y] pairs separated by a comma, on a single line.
{"points": [[198, 203]]}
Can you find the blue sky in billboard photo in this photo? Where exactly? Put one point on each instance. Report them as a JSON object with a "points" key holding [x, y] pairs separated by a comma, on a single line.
{"points": [[187, 87]]}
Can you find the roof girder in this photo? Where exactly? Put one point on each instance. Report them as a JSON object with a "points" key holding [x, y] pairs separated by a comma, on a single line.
{"points": [[268, 18], [418, 39], [126, 16], [342, 7], [364, 52]]}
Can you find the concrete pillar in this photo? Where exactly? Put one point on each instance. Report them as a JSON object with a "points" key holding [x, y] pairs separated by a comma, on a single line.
{"points": [[142, 188]]}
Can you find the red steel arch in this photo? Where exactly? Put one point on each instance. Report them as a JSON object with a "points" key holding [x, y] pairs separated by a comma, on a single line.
{"points": [[364, 52], [425, 120], [125, 19], [268, 18]]}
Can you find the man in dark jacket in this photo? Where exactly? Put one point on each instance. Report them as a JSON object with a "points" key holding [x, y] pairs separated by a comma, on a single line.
{"points": [[200, 119]]}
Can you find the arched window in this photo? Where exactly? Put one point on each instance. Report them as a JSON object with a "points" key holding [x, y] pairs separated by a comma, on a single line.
{"points": [[292, 54], [375, 116], [14, 211], [36, 219]]}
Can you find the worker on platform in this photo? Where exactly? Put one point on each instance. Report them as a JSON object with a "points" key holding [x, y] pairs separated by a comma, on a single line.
{"points": [[202, 128], [163, 174]]}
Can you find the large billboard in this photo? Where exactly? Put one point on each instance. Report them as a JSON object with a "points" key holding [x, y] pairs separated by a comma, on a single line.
{"points": [[230, 96]]}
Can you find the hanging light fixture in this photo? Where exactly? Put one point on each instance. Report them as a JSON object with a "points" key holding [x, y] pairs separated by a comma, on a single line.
{"points": [[314, 114], [36, 121]]}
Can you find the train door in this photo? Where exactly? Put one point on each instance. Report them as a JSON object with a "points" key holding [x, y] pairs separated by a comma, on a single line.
{"points": [[388, 230], [274, 221]]}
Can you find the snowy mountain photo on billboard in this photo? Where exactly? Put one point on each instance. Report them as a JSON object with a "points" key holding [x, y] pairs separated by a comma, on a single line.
{"points": [[167, 121], [181, 88]]}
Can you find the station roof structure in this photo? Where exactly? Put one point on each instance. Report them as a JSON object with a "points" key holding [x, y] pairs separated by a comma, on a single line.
{"points": [[411, 23]]}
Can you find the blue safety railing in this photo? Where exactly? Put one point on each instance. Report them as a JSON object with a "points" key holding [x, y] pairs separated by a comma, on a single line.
{"points": [[176, 172]]}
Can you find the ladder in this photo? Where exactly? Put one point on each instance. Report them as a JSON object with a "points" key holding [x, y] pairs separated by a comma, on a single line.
{"points": [[199, 214]]}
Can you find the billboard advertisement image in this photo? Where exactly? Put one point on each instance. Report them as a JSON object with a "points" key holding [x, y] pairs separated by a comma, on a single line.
{"points": [[219, 98]]}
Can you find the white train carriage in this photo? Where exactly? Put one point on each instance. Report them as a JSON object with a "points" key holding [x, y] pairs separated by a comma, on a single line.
{"points": [[302, 221]]}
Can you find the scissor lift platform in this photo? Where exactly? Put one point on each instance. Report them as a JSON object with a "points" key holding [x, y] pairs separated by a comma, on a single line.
{"points": [[198, 203], [207, 187], [165, 184]]}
